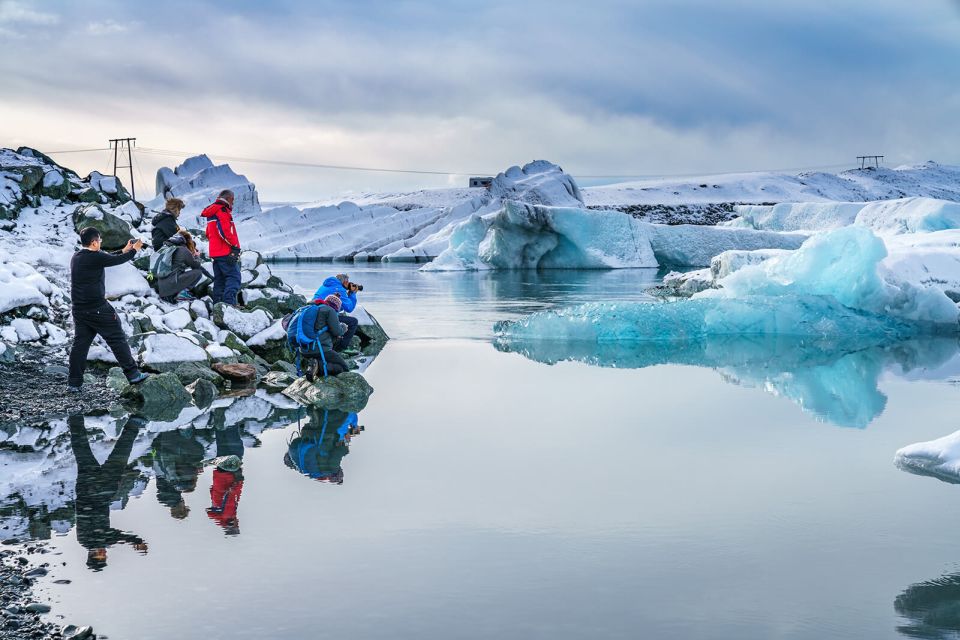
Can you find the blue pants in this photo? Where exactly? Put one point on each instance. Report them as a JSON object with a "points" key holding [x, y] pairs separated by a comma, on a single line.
{"points": [[343, 341], [226, 280]]}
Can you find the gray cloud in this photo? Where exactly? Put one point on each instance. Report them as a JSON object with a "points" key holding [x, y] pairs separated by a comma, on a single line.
{"points": [[609, 87]]}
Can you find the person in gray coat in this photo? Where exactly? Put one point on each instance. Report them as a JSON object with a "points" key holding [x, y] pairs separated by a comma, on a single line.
{"points": [[327, 316], [187, 270]]}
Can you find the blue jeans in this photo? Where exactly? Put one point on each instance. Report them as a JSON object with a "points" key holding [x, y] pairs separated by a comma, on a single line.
{"points": [[226, 280]]}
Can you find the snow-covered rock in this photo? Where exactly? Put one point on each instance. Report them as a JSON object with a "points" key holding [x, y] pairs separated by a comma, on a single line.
{"points": [[125, 279], [165, 348], [21, 286], [245, 324]]}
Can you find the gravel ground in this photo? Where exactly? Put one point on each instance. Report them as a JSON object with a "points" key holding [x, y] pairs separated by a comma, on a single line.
{"points": [[34, 388], [20, 614]]}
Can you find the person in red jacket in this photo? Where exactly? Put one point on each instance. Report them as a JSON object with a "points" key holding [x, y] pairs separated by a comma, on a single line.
{"points": [[224, 248]]}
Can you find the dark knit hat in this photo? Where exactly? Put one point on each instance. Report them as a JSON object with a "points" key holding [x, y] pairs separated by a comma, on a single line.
{"points": [[334, 301]]}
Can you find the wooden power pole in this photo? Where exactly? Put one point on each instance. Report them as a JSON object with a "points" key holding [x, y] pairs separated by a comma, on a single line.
{"points": [[117, 144]]}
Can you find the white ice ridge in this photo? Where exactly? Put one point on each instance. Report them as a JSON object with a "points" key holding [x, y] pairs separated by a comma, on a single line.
{"points": [[834, 285], [939, 458]]}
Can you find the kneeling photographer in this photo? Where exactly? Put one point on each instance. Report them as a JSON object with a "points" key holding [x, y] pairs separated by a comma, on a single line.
{"points": [[341, 286]]}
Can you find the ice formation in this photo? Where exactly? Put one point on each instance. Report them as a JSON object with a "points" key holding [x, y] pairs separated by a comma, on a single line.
{"points": [[833, 285], [525, 236], [197, 181], [939, 458]]}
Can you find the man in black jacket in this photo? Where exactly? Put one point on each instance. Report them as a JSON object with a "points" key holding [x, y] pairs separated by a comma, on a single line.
{"points": [[165, 223], [92, 314]]}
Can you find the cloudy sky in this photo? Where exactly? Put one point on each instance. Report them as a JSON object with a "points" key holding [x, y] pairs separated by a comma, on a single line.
{"points": [[603, 87]]}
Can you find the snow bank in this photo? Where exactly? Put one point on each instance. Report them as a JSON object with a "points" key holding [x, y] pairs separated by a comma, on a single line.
{"points": [[22, 286], [523, 236], [939, 458], [197, 181]]}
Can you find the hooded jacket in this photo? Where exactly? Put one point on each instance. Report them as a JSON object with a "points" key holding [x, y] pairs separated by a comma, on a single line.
{"points": [[164, 227], [348, 301], [220, 231]]}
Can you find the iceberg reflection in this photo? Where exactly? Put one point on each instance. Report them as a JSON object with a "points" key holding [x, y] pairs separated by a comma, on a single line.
{"points": [[931, 609], [835, 380]]}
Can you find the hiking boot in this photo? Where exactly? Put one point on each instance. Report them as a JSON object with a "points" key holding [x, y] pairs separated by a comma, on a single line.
{"points": [[137, 378], [185, 296]]}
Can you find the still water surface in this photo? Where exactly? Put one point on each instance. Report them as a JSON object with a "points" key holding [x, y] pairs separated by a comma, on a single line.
{"points": [[492, 494]]}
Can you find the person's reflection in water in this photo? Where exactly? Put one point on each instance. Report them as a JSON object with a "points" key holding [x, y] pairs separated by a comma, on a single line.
{"points": [[227, 479], [177, 463], [932, 608], [225, 493], [317, 449], [97, 487]]}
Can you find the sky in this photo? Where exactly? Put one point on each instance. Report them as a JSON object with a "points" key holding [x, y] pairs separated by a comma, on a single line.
{"points": [[602, 88]]}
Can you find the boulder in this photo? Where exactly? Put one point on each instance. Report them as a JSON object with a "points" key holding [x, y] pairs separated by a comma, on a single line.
{"points": [[116, 380], [270, 344], [114, 231], [240, 373], [348, 392], [203, 392], [284, 366], [188, 372], [165, 351], [278, 380], [372, 337], [55, 184], [160, 397], [278, 305], [233, 342]]}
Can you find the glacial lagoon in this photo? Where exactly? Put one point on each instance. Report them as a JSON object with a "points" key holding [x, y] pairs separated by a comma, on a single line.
{"points": [[734, 489]]}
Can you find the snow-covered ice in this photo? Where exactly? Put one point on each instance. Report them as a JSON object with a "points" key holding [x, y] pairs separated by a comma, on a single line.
{"points": [[939, 458]]}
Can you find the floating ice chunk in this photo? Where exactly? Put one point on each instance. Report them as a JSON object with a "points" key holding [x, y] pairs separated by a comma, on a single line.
{"points": [[730, 261], [939, 458], [539, 182], [910, 215], [523, 236], [843, 264]]}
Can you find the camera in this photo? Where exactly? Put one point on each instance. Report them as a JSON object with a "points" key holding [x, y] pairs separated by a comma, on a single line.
{"points": [[354, 285]]}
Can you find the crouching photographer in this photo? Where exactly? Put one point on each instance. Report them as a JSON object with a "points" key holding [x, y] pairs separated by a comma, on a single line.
{"points": [[341, 286]]}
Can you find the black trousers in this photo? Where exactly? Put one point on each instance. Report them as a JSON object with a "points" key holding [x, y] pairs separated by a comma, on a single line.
{"points": [[335, 362], [341, 343], [102, 321]]}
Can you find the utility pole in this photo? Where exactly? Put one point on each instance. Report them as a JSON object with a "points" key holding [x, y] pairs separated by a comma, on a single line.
{"points": [[117, 144]]}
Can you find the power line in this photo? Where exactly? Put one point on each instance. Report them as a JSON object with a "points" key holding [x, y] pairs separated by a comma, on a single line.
{"points": [[79, 150], [325, 166]]}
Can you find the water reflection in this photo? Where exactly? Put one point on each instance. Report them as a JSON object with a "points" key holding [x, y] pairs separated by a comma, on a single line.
{"points": [[932, 609], [225, 491], [52, 480], [834, 380], [97, 486], [316, 449]]}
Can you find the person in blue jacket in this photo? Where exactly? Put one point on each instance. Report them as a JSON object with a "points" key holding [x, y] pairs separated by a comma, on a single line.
{"points": [[341, 286]]}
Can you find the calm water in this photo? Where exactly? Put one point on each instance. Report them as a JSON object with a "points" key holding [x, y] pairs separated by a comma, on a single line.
{"points": [[492, 494]]}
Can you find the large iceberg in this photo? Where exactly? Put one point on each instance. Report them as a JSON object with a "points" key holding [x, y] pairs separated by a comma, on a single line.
{"points": [[526, 236], [834, 285]]}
